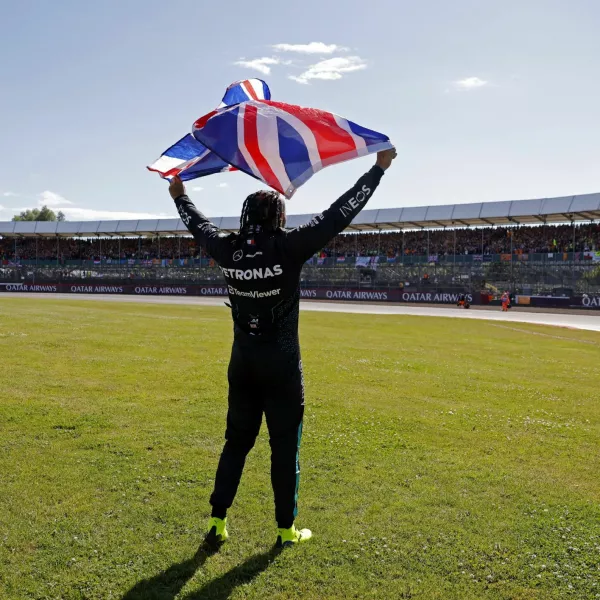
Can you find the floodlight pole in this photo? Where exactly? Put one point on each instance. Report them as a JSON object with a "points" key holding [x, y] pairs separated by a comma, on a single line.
{"points": [[573, 259], [454, 252], [544, 255], [511, 258], [403, 247]]}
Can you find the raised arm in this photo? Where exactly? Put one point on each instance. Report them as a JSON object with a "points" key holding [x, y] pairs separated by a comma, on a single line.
{"points": [[303, 242], [208, 236]]}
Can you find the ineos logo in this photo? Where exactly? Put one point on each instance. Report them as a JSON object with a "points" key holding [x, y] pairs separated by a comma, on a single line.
{"points": [[238, 255]]}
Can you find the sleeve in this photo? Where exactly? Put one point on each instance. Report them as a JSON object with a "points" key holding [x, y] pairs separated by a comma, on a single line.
{"points": [[303, 242], [210, 237]]}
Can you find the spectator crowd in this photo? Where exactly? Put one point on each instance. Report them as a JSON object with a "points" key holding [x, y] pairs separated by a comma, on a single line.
{"points": [[96, 249], [483, 240], [491, 240]]}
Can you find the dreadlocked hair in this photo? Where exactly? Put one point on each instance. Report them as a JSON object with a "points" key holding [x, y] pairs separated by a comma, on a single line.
{"points": [[262, 211]]}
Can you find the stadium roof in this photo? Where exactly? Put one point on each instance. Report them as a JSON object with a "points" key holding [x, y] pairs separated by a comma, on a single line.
{"points": [[585, 207]]}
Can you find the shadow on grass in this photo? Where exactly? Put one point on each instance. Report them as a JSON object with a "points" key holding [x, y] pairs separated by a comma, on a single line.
{"points": [[169, 583], [222, 587]]}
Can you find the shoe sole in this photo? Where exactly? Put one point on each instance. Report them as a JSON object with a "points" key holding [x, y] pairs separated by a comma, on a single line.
{"points": [[290, 544]]}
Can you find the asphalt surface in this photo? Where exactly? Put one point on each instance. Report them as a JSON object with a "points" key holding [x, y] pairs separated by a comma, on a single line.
{"points": [[587, 320]]}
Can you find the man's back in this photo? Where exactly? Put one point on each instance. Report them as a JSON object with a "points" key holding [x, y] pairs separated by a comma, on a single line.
{"points": [[263, 283], [262, 267]]}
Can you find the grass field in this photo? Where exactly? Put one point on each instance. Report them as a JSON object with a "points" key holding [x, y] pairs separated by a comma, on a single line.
{"points": [[441, 458]]}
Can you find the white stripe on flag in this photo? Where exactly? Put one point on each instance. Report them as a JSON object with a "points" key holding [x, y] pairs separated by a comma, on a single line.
{"points": [[361, 146], [257, 86], [166, 163], [193, 161], [305, 133], [245, 89], [182, 165], [268, 144], [242, 143]]}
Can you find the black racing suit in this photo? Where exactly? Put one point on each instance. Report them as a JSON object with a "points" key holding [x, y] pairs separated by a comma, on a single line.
{"points": [[265, 372]]}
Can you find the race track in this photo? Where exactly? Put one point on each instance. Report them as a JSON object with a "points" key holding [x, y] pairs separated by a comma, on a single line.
{"points": [[586, 321]]}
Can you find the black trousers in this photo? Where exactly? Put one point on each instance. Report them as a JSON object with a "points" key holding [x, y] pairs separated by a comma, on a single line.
{"points": [[264, 377]]}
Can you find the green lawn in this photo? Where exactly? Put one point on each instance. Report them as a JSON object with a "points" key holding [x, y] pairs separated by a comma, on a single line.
{"points": [[441, 458]]}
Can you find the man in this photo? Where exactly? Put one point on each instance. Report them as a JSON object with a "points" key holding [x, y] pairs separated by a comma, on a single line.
{"points": [[261, 264]]}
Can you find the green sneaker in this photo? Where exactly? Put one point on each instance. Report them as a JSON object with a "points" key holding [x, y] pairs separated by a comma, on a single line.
{"points": [[217, 532], [286, 538]]}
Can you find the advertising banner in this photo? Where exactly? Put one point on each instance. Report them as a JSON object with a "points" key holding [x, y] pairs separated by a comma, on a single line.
{"points": [[383, 296], [314, 293], [589, 301]]}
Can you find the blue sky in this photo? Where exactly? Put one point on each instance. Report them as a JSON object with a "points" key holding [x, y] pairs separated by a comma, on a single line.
{"points": [[484, 100]]}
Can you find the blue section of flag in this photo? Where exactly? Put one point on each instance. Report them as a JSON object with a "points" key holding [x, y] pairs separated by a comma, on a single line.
{"points": [[371, 137], [186, 148], [208, 166], [292, 150]]}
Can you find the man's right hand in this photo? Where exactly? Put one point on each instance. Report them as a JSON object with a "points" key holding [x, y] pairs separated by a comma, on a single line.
{"points": [[385, 158], [176, 187]]}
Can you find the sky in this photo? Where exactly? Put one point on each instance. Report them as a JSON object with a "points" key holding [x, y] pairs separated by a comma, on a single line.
{"points": [[483, 100]]}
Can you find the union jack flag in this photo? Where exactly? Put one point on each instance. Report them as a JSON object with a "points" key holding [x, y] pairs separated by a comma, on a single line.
{"points": [[191, 159], [282, 144]]}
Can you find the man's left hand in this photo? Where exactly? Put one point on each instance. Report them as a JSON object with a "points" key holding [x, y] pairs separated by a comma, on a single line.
{"points": [[176, 187]]}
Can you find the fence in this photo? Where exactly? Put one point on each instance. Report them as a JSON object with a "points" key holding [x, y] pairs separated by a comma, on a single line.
{"points": [[525, 277], [551, 258]]}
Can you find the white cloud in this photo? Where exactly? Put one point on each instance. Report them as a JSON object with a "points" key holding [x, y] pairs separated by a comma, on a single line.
{"points": [[90, 214], [48, 198], [73, 213], [331, 69], [197, 189], [470, 83], [223, 185], [312, 48], [10, 195], [262, 65]]}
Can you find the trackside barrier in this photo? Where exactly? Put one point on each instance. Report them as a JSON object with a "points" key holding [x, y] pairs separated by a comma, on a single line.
{"points": [[309, 293]]}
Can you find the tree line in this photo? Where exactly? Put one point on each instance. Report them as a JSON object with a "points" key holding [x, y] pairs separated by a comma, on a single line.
{"points": [[40, 214]]}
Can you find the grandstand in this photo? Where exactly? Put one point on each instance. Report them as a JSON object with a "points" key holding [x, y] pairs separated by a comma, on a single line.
{"points": [[529, 246]]}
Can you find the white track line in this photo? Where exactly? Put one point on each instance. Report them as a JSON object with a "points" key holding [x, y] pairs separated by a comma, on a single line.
{"points": [[587, 322]]}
